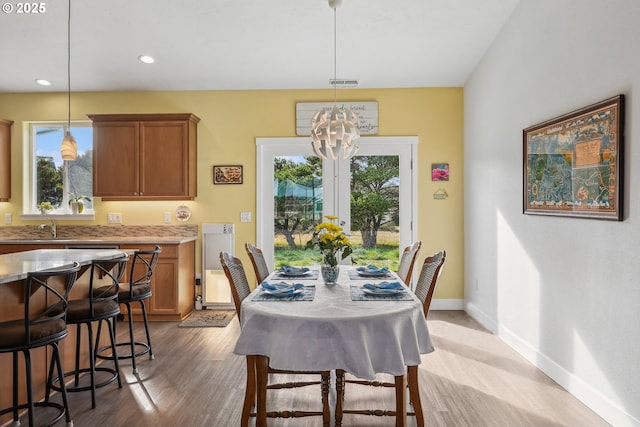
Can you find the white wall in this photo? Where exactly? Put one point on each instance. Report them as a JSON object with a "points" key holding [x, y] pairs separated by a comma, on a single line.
{"points": [[565, 292]]}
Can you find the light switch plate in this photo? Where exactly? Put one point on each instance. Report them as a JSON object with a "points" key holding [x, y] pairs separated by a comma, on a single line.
{"points": [[245, 216], [8, 219], [167, 217]]}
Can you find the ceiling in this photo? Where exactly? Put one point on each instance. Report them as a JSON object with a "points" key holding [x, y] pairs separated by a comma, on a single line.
{"points": [[246, 44]]}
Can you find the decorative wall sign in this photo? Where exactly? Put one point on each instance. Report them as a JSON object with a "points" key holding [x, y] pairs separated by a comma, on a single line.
{"points": [[367, 114], [440, 172], [227, 174], [573, 163]]}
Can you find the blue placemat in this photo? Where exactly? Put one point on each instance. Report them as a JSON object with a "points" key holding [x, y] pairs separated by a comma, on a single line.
{"points": [[358, 295], [354, 275], [310, 275], [308, 293]]}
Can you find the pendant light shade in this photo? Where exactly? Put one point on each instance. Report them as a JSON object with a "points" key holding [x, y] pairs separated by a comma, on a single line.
{"points": [[69, 147], [333, 132]]}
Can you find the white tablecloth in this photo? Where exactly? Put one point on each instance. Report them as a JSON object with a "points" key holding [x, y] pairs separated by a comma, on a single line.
{"points": [[333, 332]]}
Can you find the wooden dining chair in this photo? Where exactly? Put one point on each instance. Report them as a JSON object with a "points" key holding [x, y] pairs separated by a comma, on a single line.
{"points": [[407, 261], [425, 286], [257, 260], [235, 273], [429, 275]]}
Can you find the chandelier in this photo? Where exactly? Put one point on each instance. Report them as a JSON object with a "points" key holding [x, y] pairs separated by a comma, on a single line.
{"points": [[334, 131], [68, 146]]}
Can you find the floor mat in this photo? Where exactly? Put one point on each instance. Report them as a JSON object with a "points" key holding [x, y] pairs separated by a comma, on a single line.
{"points": [[208, 319]]}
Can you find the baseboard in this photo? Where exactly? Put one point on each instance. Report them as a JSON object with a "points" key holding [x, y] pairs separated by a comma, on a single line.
{"points": [[446, 304], [596, 401]]}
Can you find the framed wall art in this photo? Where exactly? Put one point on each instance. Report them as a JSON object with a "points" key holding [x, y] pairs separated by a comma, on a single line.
{"points": [[224, 174], [573, 163], [439, 171]]}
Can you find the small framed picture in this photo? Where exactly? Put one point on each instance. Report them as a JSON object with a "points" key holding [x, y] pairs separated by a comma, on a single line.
{"points": [[224, 174], [440, 172]]}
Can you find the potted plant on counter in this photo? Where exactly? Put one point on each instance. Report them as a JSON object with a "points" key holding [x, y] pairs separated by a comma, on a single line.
{"points": [[77, 203]]}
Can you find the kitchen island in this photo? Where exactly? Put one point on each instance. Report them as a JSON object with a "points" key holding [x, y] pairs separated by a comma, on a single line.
{"points": [[173, 282]]}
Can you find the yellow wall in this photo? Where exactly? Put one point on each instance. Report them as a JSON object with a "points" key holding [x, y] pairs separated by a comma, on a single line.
{"points": [[230, 122]]}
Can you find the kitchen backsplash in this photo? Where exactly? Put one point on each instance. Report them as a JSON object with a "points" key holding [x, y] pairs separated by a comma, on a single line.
{"points": [[97, 231]]}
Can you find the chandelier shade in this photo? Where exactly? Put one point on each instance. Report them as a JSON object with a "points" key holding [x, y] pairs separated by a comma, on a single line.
{"points": [[333, 132]]}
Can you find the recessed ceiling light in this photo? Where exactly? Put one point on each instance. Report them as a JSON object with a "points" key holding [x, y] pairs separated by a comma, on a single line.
{"points": [[43, 82], [146, 59]]}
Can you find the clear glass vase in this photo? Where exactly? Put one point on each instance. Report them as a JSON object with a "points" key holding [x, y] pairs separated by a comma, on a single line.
{"points": [[330, 273]]}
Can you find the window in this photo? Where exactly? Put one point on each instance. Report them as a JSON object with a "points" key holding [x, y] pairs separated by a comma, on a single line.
{"points": [[51, 179]]}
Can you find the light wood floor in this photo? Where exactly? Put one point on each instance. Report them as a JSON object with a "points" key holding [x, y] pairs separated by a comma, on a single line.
{"points": [[472, 379]]}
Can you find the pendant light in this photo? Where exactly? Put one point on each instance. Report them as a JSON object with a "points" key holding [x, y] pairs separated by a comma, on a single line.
{"points": [[334, 131], [69, 147]]}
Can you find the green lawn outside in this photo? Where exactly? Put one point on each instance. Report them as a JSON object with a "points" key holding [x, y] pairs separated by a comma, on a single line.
{"points": [[385, 255]]}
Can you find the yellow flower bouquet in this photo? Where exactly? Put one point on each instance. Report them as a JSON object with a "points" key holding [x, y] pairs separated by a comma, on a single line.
{"points": [[329, 238]]}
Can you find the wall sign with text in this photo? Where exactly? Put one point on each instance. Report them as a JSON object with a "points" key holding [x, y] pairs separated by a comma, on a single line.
{"points": [[367, 114]]}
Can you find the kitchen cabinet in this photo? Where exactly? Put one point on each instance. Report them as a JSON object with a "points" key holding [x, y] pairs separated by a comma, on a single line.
{"points": [[5, 160], [172, 283], [144, 156]]}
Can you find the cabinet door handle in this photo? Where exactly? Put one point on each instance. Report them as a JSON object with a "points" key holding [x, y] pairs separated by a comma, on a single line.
{"points": [[135, 193]]}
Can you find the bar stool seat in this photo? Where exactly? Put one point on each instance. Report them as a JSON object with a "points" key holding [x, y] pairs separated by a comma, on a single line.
{"points": [[101, 306], [137, 289], [39, 328]]}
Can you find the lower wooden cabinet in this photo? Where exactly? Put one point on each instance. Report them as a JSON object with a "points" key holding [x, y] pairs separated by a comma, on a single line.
{"points": [[172, 283]]}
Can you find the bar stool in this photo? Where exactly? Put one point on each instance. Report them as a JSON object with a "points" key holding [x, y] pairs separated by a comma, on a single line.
{"points": [[45, 308], [101, 306], [137, 289]]}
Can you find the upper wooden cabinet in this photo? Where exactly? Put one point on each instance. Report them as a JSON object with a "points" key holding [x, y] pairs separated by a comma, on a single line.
{"points": [[5, 160], [144, 156]]}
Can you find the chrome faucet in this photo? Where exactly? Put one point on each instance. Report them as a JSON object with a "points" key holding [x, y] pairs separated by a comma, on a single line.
{"points": [[54, 229]]}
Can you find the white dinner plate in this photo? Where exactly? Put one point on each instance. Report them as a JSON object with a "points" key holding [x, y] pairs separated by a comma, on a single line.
{"points": [[282, 293], [393, 291], [296, 274], [372, 273]]}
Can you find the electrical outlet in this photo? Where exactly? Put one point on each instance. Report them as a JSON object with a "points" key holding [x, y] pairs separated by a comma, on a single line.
{"points": [[245, 216], [8, 218], [167, 217], [114, 218]]}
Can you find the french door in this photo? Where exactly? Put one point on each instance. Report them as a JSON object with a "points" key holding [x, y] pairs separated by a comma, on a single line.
{"points": [[295, 190]]}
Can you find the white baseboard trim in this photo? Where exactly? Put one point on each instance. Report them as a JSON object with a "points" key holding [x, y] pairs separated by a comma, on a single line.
{"points": [[596, 401], [446, 304]]}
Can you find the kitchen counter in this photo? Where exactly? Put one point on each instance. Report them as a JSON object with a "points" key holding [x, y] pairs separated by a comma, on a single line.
{"points": [[16, 266], [104, 240]]}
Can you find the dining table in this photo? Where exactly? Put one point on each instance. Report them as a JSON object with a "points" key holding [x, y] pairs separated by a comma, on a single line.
{"points": [[342, 327]]}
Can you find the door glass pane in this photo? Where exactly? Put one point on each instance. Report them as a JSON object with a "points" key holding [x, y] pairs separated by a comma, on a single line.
{"points": [[374, 210], [297, 207]]}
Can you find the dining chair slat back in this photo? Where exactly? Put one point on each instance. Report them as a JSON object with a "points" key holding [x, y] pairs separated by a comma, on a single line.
{"points": [[429, 275], [237, 278], [407, 261], [257, 260]]}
